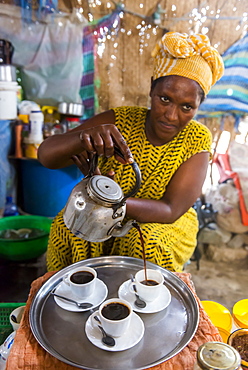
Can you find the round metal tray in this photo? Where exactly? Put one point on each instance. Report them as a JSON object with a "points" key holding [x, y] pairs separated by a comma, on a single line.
{"points": [[62, 334]]}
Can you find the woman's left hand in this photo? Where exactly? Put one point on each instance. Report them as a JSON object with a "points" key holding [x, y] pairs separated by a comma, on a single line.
{"points": [[83, 160]]}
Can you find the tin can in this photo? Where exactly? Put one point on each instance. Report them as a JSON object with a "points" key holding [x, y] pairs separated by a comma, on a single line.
{"points": [[217, 355]]}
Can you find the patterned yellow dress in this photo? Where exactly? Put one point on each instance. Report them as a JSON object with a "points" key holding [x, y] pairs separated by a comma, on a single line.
{"points": [[168, 245]]}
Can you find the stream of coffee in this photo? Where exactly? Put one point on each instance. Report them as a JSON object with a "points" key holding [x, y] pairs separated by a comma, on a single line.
{"points": [[137, 226]]}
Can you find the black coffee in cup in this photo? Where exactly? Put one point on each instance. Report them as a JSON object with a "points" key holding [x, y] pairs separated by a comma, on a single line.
{"points": [[115, 311], [149, 282], [82, 277]]}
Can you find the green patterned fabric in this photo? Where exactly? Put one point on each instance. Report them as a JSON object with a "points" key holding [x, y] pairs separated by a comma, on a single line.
{"points": [[168, 245]]}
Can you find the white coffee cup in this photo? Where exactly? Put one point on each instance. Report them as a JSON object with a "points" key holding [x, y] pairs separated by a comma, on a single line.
{"points": [[115, 315], [16, 316], [81, 281], [148, 292]]}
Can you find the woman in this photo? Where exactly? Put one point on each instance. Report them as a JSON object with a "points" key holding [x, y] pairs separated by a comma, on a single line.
{"points": [[171, 149]]}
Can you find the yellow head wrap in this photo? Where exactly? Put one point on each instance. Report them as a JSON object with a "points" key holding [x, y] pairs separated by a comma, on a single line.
{"points": [[189, 56]]}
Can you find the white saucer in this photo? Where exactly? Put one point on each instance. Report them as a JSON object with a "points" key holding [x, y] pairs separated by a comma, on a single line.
{"points": [[129, 339], [96, 298], [157, 305]]}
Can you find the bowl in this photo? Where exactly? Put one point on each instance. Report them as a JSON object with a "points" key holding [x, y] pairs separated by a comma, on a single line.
{"points": [[24, 249], [240, 313], [239, 344], [219, 315]]}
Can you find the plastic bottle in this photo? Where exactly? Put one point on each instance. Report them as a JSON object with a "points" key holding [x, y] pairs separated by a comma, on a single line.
{"points": [[51, 118], [35, 134], [10, 208], [36, 123], [18, 138], [72, 122], [24, 120]]}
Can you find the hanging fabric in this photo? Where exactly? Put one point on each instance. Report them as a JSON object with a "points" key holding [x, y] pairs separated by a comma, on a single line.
{"points": [[90, 80]]}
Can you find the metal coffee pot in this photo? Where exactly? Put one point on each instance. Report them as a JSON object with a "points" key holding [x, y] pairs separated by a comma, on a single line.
{"points": [[97, 205]]}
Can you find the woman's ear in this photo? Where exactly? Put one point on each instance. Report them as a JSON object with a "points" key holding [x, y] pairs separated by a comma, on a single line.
{"points": [[151, 86]]}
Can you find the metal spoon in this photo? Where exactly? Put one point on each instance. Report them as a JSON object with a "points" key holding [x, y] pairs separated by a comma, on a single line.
{"points": [[106, 339], [82, 305], [138, 301]]}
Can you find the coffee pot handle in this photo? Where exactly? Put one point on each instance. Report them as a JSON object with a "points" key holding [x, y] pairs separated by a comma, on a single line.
{"points": [[93, 166], [137, 182]]}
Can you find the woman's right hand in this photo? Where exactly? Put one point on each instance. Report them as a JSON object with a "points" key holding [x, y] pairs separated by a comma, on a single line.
{"points": [[103, 139], [96, 135]]}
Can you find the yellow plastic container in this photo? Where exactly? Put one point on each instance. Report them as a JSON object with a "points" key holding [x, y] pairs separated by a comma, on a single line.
{"points": [[219, 315], [239, 324], [224, 334], [240, 313]]}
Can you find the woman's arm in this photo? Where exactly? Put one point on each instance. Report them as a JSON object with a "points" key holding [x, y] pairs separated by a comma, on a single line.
{"points": [[96, 135], [183, 190]]}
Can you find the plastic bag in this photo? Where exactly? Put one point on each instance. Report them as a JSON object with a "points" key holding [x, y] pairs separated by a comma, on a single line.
{"points": [[49, 54]]}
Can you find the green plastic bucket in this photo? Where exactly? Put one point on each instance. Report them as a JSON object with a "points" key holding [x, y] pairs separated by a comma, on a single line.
{"points": [[24, 249]]}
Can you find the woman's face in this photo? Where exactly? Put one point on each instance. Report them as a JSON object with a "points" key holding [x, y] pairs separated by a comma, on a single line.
{"points": [[174, 102]]}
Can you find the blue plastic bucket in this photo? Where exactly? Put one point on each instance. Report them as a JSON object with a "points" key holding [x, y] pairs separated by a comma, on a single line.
{"points": [[42, 191]]}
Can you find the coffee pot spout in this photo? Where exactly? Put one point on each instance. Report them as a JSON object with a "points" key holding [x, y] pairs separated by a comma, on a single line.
{"points": [[119, 230]]}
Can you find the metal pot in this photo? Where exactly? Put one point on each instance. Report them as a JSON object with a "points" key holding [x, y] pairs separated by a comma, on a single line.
{"points": [[71, 109], [7, 73], [97, 206]]}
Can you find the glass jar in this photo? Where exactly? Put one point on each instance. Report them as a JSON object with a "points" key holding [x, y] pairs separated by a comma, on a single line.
{"points": [[217, 355]]}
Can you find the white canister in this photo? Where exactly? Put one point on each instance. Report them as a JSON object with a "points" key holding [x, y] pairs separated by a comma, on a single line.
{"points": [[36, 123], [5, 350], [8, 100]]}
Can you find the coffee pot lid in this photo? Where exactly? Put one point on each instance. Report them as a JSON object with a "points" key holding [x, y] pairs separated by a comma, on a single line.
{"points": [[105, 189]]}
